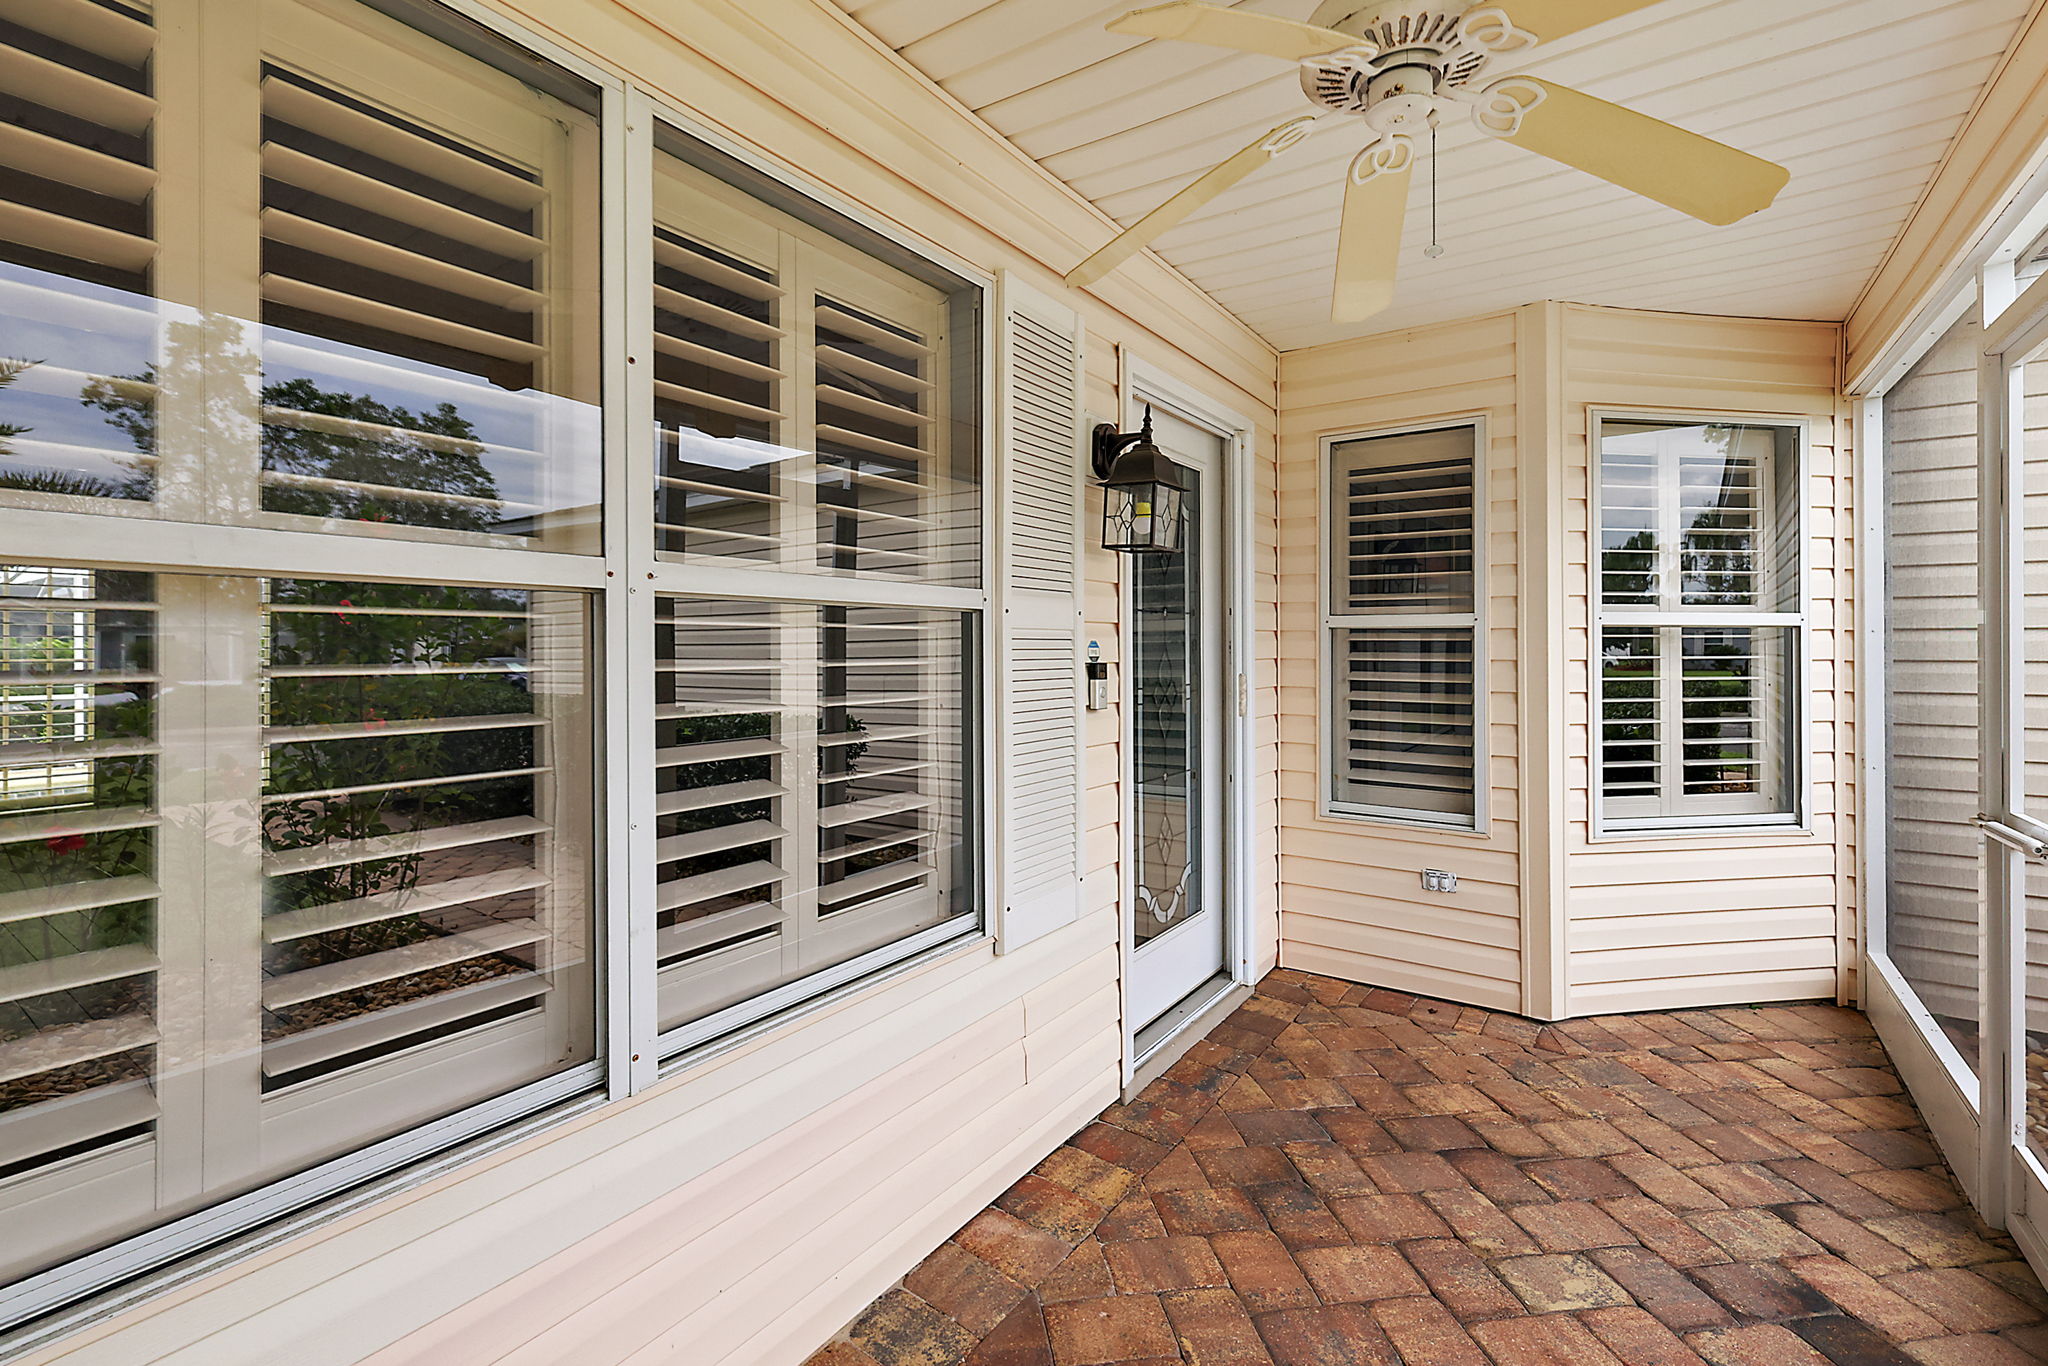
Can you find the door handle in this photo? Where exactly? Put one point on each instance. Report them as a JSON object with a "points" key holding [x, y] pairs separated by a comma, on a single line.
{"points": [[2011, 838]]}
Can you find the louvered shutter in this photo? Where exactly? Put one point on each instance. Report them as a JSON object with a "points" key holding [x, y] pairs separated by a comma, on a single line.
{"points": [[1403, 611], [75, 73], [79, 817], [77, 248], [424, 242], [414, 868], [1042, 788]]}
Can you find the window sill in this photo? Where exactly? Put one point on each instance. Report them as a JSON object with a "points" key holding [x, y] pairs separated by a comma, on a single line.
{"points": [[1415, 826], [1749, 833]]}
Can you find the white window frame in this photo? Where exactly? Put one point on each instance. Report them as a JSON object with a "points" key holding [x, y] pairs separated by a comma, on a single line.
{"points": [[1799, 750], [686, 1045], [1331, 621], [623, 584]]}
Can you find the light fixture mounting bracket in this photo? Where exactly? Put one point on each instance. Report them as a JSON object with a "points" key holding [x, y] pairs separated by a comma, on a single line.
{"points": [[1108, 443]]}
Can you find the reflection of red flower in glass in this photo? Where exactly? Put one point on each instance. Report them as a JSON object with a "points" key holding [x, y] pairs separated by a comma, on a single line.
{"points": [[374, 721], [64, 844], [345, 603]]}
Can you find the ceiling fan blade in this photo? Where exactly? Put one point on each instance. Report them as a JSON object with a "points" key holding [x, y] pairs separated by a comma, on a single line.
{"points": [[1214, 181], [1549, 19], [1193, 22], [1693, 174], [1369, 242]]}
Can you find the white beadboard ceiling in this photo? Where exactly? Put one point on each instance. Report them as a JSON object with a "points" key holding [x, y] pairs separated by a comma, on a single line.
{"points": [[1859, 99]]}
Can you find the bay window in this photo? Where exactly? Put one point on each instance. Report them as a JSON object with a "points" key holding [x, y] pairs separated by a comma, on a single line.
{"points": [[1699, 619], [1402, 625]]}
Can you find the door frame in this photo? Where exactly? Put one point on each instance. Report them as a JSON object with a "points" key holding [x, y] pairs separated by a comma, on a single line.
{"points": [[1140, 383]]}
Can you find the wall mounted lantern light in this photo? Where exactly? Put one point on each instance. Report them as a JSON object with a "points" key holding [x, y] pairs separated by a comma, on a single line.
{"points": [[1141, 491]]}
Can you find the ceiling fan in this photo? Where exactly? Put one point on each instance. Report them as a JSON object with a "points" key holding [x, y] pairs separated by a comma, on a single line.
{"points": [[1397, 64]]}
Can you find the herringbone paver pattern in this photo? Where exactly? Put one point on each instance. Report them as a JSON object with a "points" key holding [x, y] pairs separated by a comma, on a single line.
{"points": [[1342, 1176]]}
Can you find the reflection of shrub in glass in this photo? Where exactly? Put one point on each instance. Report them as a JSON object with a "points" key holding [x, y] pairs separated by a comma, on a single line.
{"points": [[61, 860], [1719, 708], [720, 773], [369, 626]]}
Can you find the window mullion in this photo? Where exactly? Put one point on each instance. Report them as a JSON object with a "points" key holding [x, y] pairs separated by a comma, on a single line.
{"points": [[184, 784], [1670, 561], [803, 673], [797, 546], [231, 899], [1671, 719]]}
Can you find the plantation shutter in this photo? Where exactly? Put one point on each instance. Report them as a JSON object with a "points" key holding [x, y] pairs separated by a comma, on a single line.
{"points": [[76, 177], [76, 139], [1042, 789], [412, 863], [426, 231], [79, 951], [1404, 640]]}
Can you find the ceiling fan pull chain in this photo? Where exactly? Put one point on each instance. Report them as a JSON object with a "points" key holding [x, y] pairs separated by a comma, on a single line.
{"points": [[1435, 248]]}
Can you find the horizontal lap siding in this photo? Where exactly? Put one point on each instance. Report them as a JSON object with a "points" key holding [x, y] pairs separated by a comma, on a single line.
{"points": [[865, 1172], [1662, 922], [1933, 855], [1350, 894]]}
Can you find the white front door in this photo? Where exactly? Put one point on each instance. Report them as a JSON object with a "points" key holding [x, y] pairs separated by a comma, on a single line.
{"points": [[1178, 720]]}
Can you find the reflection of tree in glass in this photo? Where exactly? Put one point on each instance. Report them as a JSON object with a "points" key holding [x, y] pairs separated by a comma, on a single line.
{"points": [[135, 485], [1629, 570], [1718, 551], [369, 626], [336, 454], [12, 369], [381, 446]]}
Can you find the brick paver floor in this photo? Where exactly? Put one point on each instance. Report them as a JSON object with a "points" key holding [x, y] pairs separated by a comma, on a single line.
{"points": [[1343, 1176]]}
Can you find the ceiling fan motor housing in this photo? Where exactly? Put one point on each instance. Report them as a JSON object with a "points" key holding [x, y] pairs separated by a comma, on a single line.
{"points": [[1421, 52]]}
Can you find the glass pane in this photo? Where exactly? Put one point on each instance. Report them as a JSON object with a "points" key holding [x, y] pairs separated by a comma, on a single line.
{"points": [[291, 866], [1699, 515], [2033, 642], [817, 407], [1934, 899], [1401, 514], [429, 339], [79, 817], [1167, 647], [813, 769], [380, 292], [1697, 721], [1402, 741], [78, 319], [421, 873]]}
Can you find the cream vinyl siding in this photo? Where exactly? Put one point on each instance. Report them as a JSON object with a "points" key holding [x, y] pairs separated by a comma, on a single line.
{"points": [[1663, 921], [1351, 896], [741, 1212], [1934, 855]]}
